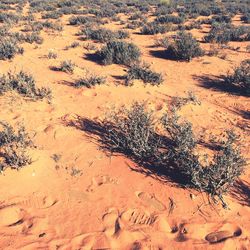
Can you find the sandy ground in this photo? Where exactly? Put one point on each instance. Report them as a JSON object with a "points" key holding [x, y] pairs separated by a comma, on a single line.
{"points": [[84, 199]]}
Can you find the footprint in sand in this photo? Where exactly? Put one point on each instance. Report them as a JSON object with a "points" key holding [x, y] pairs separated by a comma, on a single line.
{"points": [[136, 217], [110, 222], [101, 180], [150, 200], [10, 216], [209, 232], [227, 231], [40, 202]]}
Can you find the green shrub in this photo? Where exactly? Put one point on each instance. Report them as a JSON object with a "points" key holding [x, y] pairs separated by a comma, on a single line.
{"points": [[9, 48], [90, 81], [67, 66], [169, 19], [104, 35], [13, 146], [224, 33], [78, 20], [133, 132], [240, 78], [185, 47], [119, 52], [24, 84], [153, 28], [144, 73]]}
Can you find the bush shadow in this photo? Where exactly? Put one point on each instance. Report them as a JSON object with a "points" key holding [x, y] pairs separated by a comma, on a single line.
{"points": [[167, 172], [217, 83], [240, 191]]}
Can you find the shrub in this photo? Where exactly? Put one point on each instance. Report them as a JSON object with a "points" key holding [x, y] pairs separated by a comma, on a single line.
{"points": [[24, 84], [78, 20], [144, 73], [67, 66], [104, 35], [13, 147], [52, 55], [240, 79], [153, 28], [169, 19], [224, 33], [90, 81], [9, 48], [133, 132], [119, 52], [185, 47], [246, 18]]}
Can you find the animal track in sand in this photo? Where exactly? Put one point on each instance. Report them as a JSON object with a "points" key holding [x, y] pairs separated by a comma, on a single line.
{"points": [[101, 180], [150, 200]]}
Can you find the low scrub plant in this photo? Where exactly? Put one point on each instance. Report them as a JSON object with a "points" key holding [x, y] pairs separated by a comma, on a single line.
{"points": [[9, 48], [119, 52], [66, 66], [89, 81], [135, 132], [24, 84], [224, 33], [144, 73], [13, 147], [104, 35], [240, 78], [185, 47], [154, 28]]}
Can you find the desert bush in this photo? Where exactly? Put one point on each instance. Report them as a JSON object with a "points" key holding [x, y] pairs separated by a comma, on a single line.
{"points": [[57, 26], [216, 176], [89, 81], [224, 33], [9, 18], [119, 52], [133, 132], [13, 146], [153, 28], [52, 55], [185, 47], [246, 18], [9, 48], [52, 15], [67, 66], [78, 20], [144, 73], [103, 34], [24, 84], [169, 19], [161, 42], [240, 78]]}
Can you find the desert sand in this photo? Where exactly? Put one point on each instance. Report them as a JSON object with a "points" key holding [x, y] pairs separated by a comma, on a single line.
{"points": [[75, 196]]}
